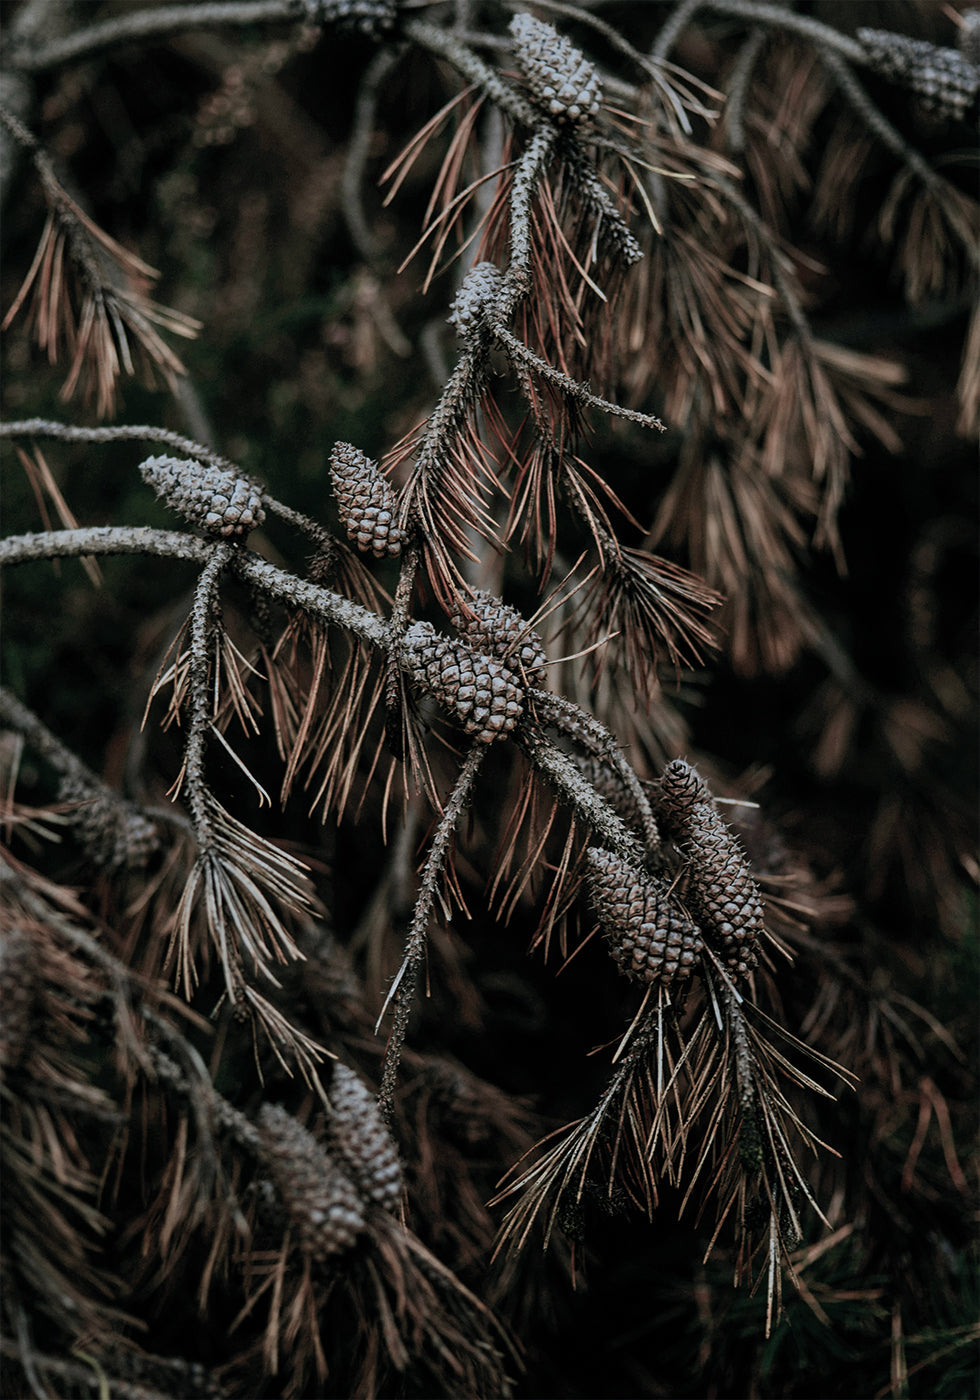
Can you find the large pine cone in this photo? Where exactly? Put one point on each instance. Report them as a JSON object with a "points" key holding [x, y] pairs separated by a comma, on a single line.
{"points": [[322, 1203], [946, 83], [561, 79], [217, 501], [650, 937], [478, 691], [721, 891], [498, 630], [114, 832], [365, 501], [360, 1141]]}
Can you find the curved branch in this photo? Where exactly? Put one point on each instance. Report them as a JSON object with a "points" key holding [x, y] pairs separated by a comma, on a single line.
{"points": [[146, 24], [562, 774], [402, 989], [821, 35], [122, 432]]}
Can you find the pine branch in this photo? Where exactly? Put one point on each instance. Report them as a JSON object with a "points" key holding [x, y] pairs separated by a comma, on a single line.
{"points": [[31, 57], [402, 989]]}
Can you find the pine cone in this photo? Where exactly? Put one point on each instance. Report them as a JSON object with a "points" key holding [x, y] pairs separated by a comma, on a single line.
{"points": [[946, 82], [217, 501], [651, 939], [114, 833], [481, 693], [499, 631], [18, 960], [322, 1203], [360, 1141], [560, 77], [365, 501], [721, 891], [372, 18], [473, 300], [681, 788]]}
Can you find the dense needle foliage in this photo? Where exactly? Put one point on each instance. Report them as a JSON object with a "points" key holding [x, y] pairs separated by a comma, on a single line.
{"points": [[487, 726]]}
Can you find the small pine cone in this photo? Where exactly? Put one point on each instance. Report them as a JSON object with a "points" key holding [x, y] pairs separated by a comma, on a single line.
{"points": [[365, 501], [499, 631], [946, 82], [320, 1200], [681, 788], [721, 891], [478, 691], [474, 299], [651, 939], [360, 1141], [114, 833], [18, 959], [372, 18], [218, 502], [560, 77]]}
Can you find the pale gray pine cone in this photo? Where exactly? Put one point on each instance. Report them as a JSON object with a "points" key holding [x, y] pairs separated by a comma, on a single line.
{"points": [[322, 1203], [946, 82], [561, 79], [650, 938], [478, 691], [365, 501], [113, 832], [498, 630], [721, 891], [360, 1140], [18, 958], [473, 301], [217, 501], [372, 18]]}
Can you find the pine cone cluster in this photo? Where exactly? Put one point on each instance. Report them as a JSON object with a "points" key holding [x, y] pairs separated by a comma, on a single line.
{"points": [[472, 302], [113, 832], [721, 891], [217, 501], [321, 1201], [946, 83], [360, 1140], [477, 690], [365, 501], [650, 937], [498, 630], [560, 77]]}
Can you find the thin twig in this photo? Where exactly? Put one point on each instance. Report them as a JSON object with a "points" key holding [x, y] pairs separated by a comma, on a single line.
{"points": [[402, 989]]}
